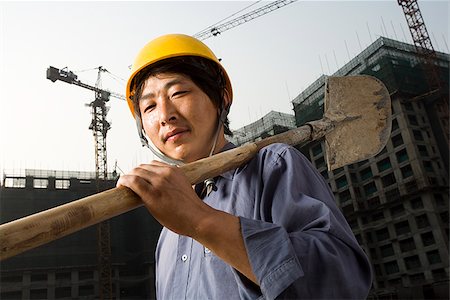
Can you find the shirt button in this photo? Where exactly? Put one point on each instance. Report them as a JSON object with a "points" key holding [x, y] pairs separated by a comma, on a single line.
{"points": [[184, 257], [207, 250]]}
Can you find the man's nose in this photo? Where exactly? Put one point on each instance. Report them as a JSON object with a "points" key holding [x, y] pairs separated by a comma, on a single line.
{"points": [[167, 112]]}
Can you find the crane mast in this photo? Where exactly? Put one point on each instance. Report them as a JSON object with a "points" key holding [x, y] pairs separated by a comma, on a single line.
{"points": [[99, 126], [437, 102], [215, 30]]}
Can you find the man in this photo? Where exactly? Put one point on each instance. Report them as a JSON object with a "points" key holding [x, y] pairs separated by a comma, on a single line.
{"points": [[269, 229]]}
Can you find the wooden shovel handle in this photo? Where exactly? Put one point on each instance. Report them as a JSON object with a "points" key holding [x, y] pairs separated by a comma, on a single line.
{"points": [[46, 226]]}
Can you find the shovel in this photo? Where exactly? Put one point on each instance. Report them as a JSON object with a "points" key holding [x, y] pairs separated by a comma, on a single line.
{"points": [[356, 125]]}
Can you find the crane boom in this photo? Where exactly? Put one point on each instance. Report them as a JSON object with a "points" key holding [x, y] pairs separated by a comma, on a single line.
{"points": [[218, 29], [65, 75]]}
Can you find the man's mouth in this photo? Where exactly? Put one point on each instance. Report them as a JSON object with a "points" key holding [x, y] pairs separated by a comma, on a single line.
{"points": [[175, 134]]}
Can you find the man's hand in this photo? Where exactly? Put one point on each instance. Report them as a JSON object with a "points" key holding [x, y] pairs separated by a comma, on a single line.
{"points": [[168, 195]]}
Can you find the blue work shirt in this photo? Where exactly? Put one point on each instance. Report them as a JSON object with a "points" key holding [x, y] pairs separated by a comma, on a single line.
{"points": [[298, 242]]}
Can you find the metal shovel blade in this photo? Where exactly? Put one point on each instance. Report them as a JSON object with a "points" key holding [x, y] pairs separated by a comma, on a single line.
{"points": [[360, 108]]}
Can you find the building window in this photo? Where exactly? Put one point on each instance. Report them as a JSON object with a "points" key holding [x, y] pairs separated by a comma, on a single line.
{"points": [[384, 164], [417, 278], [15, 182], [366, 173], [412, 262], [407, 245], [38, 294], [373, 202], [444, 217], [418, 135], [408, 106], [382, 234], [370, 188], [406, 171], [388, 180], [439, 199], [320, 162], [391, 267], [386, 250], [402, 156], [63, 292], [412, 120], [40, 183], [86, 290], [439, 274], [337, 171], [402, 227], [316, 150], [416, 203], [11, 279], [344, 196], [397, 140], [422, 221], [427, 239], [394, 124], [378, 216], [324, 174], [363, 162], [397, 210], [348, 209], [423, 150], [428, 166], [341, 182], [11, 295], [433, 257], [62, 184]]}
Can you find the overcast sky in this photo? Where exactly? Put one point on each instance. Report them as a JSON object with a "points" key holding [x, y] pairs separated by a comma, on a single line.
{"points": [[271, 59]]}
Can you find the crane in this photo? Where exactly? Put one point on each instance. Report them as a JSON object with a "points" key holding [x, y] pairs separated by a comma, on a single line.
{"points": [[215, 30], [99, 126], [437, 102]]}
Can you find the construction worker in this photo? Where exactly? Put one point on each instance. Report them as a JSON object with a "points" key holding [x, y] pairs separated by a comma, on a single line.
{"points": [[269, 229]]}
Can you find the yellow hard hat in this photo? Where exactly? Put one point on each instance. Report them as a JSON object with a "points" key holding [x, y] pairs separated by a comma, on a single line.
{"points": [[168, 46]]}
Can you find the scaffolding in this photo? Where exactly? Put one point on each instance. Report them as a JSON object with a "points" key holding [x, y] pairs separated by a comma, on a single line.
{"points": [[396, 64]]}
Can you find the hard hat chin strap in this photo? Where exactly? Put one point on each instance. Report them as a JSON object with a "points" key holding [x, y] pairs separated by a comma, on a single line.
{"points": [[146, 143], [210, 185]]}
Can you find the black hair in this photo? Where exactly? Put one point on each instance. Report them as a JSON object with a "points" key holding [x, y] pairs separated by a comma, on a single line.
{"points": [[206, 74]]}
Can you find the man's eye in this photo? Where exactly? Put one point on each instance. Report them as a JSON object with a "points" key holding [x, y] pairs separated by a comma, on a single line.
{"points": [[178, 93], [149, 107]]}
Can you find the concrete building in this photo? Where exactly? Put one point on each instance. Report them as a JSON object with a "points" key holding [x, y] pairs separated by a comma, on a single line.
{"points": [[272, 123], [68, 268]]}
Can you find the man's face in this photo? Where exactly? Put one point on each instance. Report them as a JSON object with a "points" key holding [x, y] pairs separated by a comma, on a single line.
{"points": [[178, 117]]}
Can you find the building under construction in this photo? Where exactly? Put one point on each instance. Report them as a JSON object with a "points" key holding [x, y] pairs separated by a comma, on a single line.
{"points": [[396, 202], [272, 123], [68, 268]]}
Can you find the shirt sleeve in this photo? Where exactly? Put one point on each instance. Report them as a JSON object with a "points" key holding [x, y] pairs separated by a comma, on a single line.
{"points": [[298, 242]]}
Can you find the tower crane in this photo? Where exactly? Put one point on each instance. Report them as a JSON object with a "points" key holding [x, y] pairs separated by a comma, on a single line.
{"points": [[215, 30], [99, 126], [437, 99]]}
